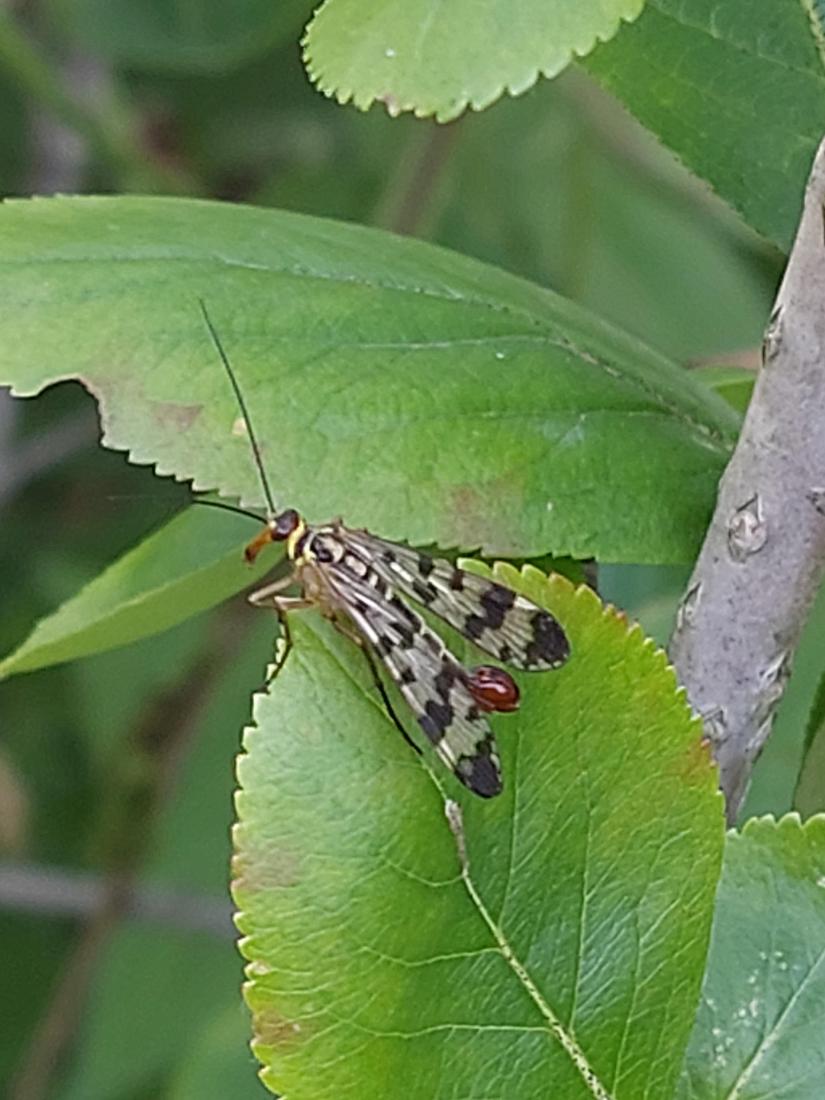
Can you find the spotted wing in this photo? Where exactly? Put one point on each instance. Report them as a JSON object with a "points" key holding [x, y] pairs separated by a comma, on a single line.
{"points": [[430, 679], [498, 620]]}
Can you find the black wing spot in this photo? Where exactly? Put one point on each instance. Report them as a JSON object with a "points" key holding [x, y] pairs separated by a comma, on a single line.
{"points": [[406, 635], [496, 602], [445, 680], [377, 583], [405, 612], [407, 676], [457, 580], [505, 653], [384, 645], [480, 772], [549, 645], [474, 626], [499, 596], [425, 593], [437, 717], [321, 552], [388, 556], [425, 565]]}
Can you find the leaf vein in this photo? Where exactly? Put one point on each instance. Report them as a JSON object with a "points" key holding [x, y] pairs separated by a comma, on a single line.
{"points": [[565, 1037]]}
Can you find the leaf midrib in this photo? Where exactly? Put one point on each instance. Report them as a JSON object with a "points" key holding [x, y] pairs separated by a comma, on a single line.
{"points": [[547, 337]]}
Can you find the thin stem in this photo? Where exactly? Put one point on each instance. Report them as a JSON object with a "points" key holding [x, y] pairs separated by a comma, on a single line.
{"points": [[58, 1023], [141, 784], [576, 237], [411, 193], [56, 892], [44, 451]]}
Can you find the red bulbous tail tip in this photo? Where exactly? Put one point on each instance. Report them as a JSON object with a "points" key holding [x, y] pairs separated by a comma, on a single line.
{"points": [[493, 689]]}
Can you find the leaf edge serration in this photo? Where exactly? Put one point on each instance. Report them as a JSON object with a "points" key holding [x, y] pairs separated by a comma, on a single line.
{"points": [[513, 86]]}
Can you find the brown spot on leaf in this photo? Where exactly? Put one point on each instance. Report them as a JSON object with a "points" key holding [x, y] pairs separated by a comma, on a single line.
{"points": [[179, 417], [697, 760], [391, 102], [255, 871], [486, 514], [272, 1029]]}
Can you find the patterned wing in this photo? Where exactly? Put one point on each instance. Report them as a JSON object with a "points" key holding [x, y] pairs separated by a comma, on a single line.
{"points": [[498, 620], [431, 680]]}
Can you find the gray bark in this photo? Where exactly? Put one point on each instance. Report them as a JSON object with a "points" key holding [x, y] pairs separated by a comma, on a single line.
{"points": [[764, 554]]}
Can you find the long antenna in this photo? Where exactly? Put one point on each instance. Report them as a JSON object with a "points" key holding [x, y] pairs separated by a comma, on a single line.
{"points": [[253, 439], [227, 508]]}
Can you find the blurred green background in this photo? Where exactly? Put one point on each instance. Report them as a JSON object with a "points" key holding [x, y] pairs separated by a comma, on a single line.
{"points": [[120, 978]]}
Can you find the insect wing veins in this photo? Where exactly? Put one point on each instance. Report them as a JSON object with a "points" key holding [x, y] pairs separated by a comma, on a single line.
{"points": [[494, 617], [430, 679], [341, 573]]}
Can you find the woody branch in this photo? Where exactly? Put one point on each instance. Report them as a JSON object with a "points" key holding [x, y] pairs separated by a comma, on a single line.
{"points": [[763, 558]]}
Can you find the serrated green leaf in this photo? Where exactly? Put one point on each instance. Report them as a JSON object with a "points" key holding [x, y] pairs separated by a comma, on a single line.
{"points": [[420, 394], [584, 912], [196, 36], [737, 90], [633, 239], [759, 1029], [438, 59], [190, 564]]}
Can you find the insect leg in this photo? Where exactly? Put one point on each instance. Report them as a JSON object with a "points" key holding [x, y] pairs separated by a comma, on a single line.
{"points": [[382, 691], [263, 597], [281, 605], [286, 645], [363, 645]]}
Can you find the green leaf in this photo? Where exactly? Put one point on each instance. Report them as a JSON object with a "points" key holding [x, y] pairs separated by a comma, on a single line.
{"points": [[632, 238], [736, 90], [437, 59], [816, 13], [189, 565], [196, 36], [759, 1029], [418, 393], [577, 934], [809, 796], [735, 384]]}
